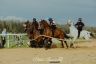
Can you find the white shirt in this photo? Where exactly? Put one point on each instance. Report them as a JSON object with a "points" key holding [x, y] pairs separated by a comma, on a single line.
{"points": [[4, 33], [53, 23]]}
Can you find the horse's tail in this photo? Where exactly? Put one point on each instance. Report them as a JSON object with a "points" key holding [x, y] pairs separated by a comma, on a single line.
{"points": [[66, 36]]}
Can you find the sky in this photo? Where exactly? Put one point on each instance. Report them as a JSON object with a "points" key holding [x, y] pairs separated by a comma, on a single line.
{"points": [[60, 10]]}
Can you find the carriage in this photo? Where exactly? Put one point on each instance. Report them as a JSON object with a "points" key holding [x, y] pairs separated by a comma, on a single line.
{"points": [[43, 36]]}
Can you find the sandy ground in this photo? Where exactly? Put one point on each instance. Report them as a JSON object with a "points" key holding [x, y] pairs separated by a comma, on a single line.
{"points": [[84, 54]]}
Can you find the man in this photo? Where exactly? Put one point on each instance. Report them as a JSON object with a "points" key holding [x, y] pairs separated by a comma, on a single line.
{"points": [[3, 37], [52, 24], [36, 23], [79, 25], [37, 26]]}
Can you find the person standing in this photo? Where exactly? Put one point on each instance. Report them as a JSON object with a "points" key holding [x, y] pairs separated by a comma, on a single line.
{"points": [[3, 37]]}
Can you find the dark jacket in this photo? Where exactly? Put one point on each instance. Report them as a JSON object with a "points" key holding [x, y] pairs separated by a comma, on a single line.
{"points": [[79, 25]]}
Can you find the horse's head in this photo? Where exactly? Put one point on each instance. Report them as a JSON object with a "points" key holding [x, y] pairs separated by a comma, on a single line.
{"points": [[70, 23], [26, 25], [43, 24], [35, 24]]}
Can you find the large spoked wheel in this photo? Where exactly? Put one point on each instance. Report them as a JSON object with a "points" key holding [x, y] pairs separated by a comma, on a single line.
{"points": [[33, 44]]}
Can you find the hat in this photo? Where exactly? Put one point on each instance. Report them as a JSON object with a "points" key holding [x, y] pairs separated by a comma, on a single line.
{"points": [[34, 19], [79, 19], [50, 19]]}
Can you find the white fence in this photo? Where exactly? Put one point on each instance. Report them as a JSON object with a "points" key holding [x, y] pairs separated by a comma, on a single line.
{"points": [[8, 38]]}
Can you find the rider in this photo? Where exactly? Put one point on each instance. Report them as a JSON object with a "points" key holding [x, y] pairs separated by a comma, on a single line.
{"points": [[36, 23], [52, 24], [79, 25]]}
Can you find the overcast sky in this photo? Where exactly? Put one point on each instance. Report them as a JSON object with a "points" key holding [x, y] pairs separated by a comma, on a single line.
{"points": [[60, 10]]}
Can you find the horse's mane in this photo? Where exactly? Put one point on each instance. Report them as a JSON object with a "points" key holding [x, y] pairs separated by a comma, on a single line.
{"points": [[44, 22]]}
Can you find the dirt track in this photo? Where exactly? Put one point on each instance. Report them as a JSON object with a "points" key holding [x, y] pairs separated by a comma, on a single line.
{"points": [[85, 54]]}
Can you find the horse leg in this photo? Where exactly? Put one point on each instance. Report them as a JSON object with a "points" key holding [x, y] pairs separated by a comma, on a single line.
{"points": [[72, 43], [62, 44], [66, 44]]}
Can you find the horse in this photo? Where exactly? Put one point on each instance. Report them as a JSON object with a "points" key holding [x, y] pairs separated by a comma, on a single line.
{"points": [[58, 33], [33, 34], [74, 33]]}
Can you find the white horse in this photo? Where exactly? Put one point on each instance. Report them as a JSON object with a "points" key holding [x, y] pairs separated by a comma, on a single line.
{"points": [[74, 33]]}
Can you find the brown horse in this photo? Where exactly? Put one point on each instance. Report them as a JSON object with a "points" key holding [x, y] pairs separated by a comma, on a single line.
{"points": [[33, 34], [58, 33]]}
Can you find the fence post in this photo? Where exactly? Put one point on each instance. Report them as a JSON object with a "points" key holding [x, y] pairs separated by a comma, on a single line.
{"points": [[8, 41]]}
